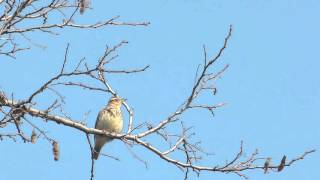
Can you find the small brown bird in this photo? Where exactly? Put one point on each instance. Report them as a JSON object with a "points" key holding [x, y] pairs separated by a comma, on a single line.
{"points": [[109, 119], [282, 163], [266, 165]]}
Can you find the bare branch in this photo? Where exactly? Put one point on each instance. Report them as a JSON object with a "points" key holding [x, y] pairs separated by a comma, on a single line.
{"points": [[15, 112], [92, 160]]}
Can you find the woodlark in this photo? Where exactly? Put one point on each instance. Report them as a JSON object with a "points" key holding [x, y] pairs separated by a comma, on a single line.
{"points": [[109, 119]]}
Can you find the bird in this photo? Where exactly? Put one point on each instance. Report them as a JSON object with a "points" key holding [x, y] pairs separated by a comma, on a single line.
{"points": [[266, 165], [282, 163], [109, 119]]}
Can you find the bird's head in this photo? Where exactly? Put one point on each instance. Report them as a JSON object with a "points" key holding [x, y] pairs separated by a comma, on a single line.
{"points": [[115, 102]]}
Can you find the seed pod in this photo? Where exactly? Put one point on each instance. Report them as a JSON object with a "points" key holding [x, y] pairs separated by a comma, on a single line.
{"points": [[282, 163], [2, 97], [33, 137], [55, 150]]}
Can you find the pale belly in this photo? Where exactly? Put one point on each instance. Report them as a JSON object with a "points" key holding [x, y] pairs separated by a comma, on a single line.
{"points": [[114, 125], [110, 123]]}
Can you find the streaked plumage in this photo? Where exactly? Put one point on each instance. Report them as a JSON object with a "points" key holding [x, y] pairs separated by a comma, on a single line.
{"points": [[109, 119]]}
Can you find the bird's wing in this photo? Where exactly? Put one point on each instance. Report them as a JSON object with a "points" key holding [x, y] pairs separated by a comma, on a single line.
{"points": [[98, 117]]}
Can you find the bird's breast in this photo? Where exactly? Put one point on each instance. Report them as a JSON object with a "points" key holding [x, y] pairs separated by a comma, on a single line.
{"points": [[111, 121]]}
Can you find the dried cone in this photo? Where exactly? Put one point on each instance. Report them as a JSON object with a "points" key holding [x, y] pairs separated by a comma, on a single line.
{"points": [[33, 137], [55, 150], [2, 97], [82, 5]]}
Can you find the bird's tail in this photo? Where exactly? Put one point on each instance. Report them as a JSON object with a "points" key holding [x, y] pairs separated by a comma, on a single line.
{"points": [[96, 152]]}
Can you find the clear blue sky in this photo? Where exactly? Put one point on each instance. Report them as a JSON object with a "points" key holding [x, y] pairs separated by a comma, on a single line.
{"points": [[272, 86]]}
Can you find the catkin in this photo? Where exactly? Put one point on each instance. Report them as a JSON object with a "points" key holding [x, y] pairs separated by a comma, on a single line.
{"points": [[55, 149], [33, 137]]}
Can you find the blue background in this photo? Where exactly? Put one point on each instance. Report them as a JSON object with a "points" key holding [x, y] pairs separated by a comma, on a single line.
{"points": [[272, 88]]}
